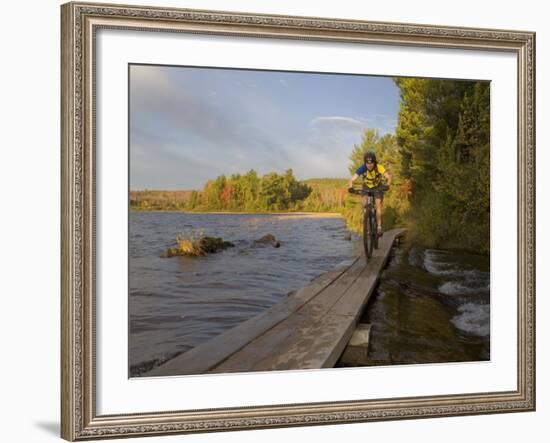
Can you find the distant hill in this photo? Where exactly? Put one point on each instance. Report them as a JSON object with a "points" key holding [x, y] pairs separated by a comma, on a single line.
{"points": [[159, 200]]}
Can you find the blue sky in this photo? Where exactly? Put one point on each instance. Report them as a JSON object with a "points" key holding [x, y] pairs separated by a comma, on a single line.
{"points": [[189, 125]]}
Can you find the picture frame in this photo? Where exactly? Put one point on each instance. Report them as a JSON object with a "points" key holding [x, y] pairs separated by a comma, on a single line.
{"points": [[80, 177]]}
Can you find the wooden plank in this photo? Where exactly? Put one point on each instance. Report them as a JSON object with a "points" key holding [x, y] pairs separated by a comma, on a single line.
{"points": [[354, 301], [318, 346], [205, 356]]}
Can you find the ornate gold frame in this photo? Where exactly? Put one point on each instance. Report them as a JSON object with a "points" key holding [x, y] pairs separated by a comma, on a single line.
{"points": [[79, 22]]}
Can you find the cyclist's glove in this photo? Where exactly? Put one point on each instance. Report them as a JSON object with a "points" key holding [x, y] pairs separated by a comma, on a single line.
{"points": [[351, 190]]}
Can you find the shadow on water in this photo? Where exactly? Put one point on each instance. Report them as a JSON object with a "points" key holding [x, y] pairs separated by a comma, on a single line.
{"points": [[431, 306]]}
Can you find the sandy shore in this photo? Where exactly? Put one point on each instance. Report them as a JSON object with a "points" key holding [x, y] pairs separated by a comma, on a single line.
{"points": [[309, 215], [279, 214]]}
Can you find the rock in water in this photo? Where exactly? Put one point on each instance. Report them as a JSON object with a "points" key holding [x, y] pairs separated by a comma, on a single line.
{"points": [[214, 244], [268, 239], [195, 248]]}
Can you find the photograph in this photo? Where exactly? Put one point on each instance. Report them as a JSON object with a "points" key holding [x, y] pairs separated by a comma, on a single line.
{"points": [[289, 220]]}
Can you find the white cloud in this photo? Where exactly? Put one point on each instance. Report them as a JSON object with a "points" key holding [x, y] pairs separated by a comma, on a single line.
{"points": [[337, 123]]}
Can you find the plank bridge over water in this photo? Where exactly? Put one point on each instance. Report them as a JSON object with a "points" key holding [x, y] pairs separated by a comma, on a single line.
{"points": [[309, 329]]}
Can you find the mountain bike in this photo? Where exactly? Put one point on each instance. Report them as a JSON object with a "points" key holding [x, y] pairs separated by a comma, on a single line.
{"points": [[370, 226]]}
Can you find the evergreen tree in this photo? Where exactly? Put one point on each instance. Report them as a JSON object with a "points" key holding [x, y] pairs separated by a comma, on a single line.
{"points": [[443, 136]]}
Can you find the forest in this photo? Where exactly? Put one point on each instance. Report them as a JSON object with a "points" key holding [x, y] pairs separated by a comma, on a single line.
{"points": [[438, 158]]}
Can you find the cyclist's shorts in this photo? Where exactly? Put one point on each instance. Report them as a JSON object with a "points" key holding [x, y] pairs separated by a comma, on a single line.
{"points": [[377, 193]]}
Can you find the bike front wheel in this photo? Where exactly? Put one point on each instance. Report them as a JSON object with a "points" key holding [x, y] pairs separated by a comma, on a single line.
{"points": [[374, 231], [367, 232]]}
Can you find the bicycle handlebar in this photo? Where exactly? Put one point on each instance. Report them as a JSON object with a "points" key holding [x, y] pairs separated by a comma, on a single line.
{"points": [[366, 191]]}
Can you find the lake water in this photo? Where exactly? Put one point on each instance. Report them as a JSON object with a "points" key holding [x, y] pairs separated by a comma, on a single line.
{"points": [[430, 306], [177, 303]]}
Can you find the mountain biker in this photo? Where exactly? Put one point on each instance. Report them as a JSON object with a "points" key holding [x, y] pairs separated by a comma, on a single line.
{"points": [[372, 174]]}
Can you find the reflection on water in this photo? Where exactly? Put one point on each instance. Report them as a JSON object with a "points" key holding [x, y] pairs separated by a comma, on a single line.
{"points": [[180, 302], [430, 306]]}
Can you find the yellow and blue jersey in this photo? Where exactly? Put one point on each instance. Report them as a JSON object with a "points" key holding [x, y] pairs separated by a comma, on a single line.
{"points": [[371, 178]]}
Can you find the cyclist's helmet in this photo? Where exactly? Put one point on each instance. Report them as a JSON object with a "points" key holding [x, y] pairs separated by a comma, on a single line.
{"points": [[370, 155]]}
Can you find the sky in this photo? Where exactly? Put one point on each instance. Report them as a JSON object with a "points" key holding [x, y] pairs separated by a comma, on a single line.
{"points": [[189, 125]]}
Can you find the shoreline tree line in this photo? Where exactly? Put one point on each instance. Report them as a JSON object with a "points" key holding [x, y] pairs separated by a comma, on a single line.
{"points": [[249, 192], [438, 157]]}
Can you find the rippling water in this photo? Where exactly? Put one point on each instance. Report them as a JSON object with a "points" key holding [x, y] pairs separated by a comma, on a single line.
{"points": [[177, 303], [431, 306]]}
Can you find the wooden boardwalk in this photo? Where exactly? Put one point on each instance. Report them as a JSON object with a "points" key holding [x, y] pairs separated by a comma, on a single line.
{"points": [[309, 329]]}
